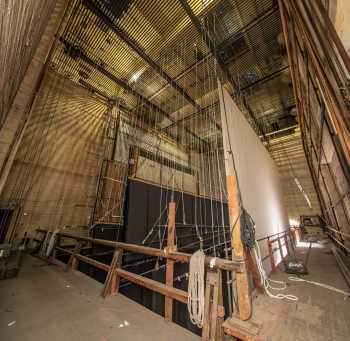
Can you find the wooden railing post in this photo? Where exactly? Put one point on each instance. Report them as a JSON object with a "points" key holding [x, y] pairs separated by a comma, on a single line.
{"points": [[214, 311], [272, 260], [111, 284], [168, 313], [286, 242], [280, 247], [253, 269], [72, 262], [115, 276]]}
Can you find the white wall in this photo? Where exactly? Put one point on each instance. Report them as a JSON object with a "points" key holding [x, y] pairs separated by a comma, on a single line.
{"points": [[257, 173]]}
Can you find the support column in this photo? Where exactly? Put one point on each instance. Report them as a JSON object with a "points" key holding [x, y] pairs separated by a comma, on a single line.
{"points": [[234, 206], [170, 263], [243, 294]]}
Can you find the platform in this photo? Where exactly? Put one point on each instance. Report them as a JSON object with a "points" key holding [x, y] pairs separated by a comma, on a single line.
{"points": [[44, 303], [319, 314]]}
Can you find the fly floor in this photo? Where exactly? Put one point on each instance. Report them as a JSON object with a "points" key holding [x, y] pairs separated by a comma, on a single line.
{"points": [[45, 303]]}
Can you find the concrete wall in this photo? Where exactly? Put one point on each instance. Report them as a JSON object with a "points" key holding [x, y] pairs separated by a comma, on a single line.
{"points": [[22, 26], [23, 67], [53, 179]]}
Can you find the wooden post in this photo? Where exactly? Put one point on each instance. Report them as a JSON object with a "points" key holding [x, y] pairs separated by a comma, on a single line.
{"points": [[76, 251], [168, 313], [57, 244], [280, 247], [214, 311], [116, 277], [234, 206], [114, 287], [286, 242], [74, 263], [291, 238], [253, 268], [111, 284], [244, 299], [133, 160], [272, 259]]}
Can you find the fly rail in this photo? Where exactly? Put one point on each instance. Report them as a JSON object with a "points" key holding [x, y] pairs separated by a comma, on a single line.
{"points": [[115, 272]]}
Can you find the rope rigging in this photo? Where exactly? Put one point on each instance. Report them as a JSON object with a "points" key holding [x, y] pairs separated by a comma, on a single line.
{"points": [[195, 301]]}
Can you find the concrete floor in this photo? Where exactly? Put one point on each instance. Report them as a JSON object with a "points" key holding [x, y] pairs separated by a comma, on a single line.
{"points": [[44, 303], [319, 314]]}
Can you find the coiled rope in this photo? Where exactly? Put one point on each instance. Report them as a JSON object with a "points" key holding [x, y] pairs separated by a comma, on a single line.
{"points": [[266, 282], [195, 300]]}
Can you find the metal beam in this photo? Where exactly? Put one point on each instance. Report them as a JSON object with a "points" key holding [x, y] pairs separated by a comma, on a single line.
{"points": [[265, 79], [124, 85], [124, 36], [190, 116], [202, 32]]}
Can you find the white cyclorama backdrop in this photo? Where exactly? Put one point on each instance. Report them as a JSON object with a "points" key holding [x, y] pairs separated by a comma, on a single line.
{"points": [[257, 173]]}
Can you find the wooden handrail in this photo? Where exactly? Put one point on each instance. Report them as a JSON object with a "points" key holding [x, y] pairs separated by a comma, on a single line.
{"points": [[219, 263], [174, 293]]}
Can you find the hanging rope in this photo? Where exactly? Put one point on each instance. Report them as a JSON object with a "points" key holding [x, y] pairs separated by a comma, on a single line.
{"points": [[195, 301]]}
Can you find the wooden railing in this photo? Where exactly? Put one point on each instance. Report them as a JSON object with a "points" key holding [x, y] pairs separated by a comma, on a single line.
{"points": [[115, 272], [285, 239]]}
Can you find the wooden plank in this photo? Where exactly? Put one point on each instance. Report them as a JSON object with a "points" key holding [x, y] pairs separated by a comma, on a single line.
{"points": [[174, 293], [286, 243], [272, 259], [168, 309], [218, 263], [243, 330], [76, 251], [243, 294], [223, 264], [74, 263], [214, 311], [93, 262], [254, 270], [280, 248], [111, 273], [116, 278]]}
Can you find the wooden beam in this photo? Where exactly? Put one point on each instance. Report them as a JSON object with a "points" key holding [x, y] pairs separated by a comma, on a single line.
{"points": [[174, 293], [253, 268], [244, 299], [223, 264], [168, 309], [93, 262], [272, 259], [111, 278]]}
